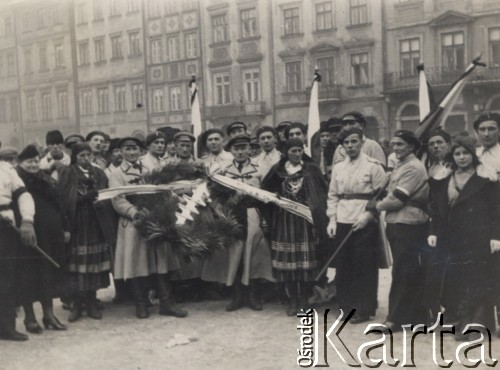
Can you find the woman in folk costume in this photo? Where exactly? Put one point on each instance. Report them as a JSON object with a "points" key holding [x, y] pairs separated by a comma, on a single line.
{"points": [[294, 240], [134, 258], [249, 259], [465, 217], [354, 182], [89, 254], [39, 280]]}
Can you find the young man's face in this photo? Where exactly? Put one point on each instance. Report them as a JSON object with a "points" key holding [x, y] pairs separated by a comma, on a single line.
{"points": [[131, 153], [157, 147], [237, 131], [55, 150], [324, 138], [438, 147], [267, 141], [241, 152], [296, 133], [487, 133], [214, 143], [96, 143]]}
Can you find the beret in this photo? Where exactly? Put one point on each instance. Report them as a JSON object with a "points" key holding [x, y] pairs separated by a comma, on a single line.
{"points": [[206, 134], [154, 136], [408, 136]]}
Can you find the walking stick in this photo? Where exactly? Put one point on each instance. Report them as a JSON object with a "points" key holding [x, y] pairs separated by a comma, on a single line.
{"points": [[325, 267], [47, 257]]}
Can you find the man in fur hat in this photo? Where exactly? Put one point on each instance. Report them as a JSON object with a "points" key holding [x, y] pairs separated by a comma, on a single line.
{"points": [[56, 157]]}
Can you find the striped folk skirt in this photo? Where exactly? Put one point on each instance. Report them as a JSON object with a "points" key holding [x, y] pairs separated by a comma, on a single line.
{"points": [[293, 248], [90, 259]]}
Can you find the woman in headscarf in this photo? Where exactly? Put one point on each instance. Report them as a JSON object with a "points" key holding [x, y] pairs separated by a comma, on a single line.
{"points": [[89, 254], [38, 279], [465, 217], [294, 240]]}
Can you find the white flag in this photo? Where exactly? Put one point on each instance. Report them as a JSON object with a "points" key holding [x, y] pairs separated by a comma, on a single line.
{"points": [[313, 120], [195, 113]]}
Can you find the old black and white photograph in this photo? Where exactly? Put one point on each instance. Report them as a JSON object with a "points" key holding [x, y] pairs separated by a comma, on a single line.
{"points": [[249, 184]]}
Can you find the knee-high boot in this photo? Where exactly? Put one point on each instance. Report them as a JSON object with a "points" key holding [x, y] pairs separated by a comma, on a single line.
{"points": [[167, 301], [141, 308]]}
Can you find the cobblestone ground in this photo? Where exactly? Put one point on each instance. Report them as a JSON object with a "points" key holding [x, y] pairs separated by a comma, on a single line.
{"points": [[218, 340]]}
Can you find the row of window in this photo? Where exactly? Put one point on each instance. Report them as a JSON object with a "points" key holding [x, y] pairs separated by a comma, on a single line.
{"points": [[172, 51], [59, 59], [42, 18], [45, 106], [158, 8], [134, 48], [103, 99], [115, 9], [291, 20], [9, 109], [452, 51]]}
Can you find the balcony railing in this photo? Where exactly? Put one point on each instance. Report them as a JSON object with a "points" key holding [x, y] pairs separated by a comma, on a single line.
{"points": [[326, 92], [226, 111], [255, 108], [437, 76]]}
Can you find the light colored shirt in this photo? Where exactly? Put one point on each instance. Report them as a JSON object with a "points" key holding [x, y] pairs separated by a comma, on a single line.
{"points": [[490, 157], [10, 184], [370, 148], [265, 160], [216, 162], [110, 169], [364, 175], [410, 178], [151, 162]]}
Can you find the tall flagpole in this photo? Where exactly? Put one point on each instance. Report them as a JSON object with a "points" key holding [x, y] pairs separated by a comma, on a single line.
{"points": [[195, 113], [313, 119]]}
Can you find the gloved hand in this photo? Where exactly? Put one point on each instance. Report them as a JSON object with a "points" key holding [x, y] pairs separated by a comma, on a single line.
{"points": [[371, 206], [432, 240], [28, 236], [495, 245], [92, 195], [331, 229], [362, 221]]}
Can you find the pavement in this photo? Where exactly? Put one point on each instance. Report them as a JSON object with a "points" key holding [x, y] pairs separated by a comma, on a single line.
{"points": [[209, 338]]}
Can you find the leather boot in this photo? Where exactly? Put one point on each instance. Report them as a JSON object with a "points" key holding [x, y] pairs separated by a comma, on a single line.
{"points": [[167, 301], [75, 310], [303, 296], [237, 300], [253, 297], [292, 292], [141, 308], [92, 306]]}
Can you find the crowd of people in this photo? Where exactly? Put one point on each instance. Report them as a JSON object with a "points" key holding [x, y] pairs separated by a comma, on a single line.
{"points": [[434, 201]]}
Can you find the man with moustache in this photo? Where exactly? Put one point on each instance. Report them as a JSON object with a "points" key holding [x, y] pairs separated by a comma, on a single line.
{"points": [[134, 259], [184, 142], [96, 141], [216, 158], [269, 155], [153, 159], [297, 130]]}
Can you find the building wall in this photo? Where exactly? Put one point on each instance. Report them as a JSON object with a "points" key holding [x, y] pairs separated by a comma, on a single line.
{"points": [[116, 72], [428, 22]]}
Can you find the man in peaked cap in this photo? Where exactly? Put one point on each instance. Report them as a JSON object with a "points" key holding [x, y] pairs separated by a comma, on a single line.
{"points": [[184, 141], [370, 147], [281, 134], [9, 154], [72, 140], [250, 260], [56, 157], [153, 159], [217, 158], [236, 128]]}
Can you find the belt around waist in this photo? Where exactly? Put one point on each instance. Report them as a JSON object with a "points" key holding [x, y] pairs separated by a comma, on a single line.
{"points": [[356, 196], [5, 207]]}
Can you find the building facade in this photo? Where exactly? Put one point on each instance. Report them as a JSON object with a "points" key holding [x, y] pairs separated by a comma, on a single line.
{"points": [[446, 35]]}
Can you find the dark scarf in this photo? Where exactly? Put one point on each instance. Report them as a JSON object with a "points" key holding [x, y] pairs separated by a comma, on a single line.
{"points": [[69, 182]]}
